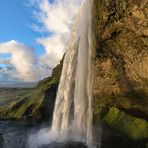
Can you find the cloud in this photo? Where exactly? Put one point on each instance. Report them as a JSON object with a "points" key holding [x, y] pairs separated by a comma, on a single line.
{"points": [[54, 17], [5, 61], [24, 61], [5, 75]]}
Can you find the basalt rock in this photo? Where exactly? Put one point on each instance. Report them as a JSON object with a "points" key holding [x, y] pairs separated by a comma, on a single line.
{"points": [[121, 66], [121, 62]]}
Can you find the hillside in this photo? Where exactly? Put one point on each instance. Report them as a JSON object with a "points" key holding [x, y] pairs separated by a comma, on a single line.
{"points": [[36, 104]]}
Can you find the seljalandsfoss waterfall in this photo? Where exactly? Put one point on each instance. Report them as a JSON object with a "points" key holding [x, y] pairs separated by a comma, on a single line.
{"points": [[73, 108], [96, 96]]}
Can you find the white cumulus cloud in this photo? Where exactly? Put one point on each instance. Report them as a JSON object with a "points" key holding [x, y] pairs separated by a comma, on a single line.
{"points": [[56, 18], [23, 60]]}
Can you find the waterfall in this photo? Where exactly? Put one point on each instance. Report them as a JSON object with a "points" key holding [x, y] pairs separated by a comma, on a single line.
{"points": [[73, 107]]}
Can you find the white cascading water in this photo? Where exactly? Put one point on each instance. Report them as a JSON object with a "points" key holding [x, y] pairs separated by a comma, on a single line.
{"points": [[73, 108]]}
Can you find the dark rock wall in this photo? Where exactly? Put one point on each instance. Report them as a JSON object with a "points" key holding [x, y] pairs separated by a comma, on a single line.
{"points": [[121, 64]]}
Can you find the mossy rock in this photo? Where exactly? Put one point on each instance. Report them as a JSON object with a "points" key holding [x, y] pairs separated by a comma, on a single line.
{"points": [[132, 127]]}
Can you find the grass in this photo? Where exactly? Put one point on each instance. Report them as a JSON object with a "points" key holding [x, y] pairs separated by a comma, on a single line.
{"points": [[28, 103]]}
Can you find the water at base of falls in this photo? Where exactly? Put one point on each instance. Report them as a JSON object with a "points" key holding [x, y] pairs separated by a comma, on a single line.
{"points": [[73, 108], [22, 134]]}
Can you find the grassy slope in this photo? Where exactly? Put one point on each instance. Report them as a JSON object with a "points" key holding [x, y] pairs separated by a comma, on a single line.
{"points": [[33, 105]]}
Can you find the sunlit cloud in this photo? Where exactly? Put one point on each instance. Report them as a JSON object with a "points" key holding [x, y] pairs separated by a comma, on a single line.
{"points": [[23, 59], [56, 18]]}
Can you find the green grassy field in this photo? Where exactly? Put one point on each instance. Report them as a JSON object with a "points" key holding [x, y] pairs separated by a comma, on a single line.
{"points": [[7, 94]]}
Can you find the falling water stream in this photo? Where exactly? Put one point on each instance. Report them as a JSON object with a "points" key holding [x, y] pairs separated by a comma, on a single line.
{"points": [[73, 108]]}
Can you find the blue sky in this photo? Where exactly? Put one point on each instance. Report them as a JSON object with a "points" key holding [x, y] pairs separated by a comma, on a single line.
{"points": [[28, 55], [15, 19]]}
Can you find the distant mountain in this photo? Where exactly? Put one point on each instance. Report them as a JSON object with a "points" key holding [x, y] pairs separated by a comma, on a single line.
{"points": [[17, 85]]}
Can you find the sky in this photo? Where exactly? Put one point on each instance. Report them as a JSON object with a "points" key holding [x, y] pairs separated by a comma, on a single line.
{"points": [[33, 37]]}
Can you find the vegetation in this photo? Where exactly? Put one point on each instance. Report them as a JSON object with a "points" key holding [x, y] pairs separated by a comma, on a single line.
{"points": [[134, 128], [36, 104]]}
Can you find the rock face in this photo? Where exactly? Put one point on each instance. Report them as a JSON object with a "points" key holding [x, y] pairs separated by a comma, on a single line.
{"points": [[121, 65]]}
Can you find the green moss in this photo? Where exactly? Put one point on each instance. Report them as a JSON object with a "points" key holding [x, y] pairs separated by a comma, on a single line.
{"points": [[134, 128], [112, 115], [29, 108]]}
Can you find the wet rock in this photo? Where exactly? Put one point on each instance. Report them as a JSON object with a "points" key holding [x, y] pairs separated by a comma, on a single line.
{"points": [[1, 140], [65, 145], [121, 41]]}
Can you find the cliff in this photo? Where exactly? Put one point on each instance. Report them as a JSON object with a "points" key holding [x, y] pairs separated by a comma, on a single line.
{"points": [[37, 104], [121, 71], [120, 91]]}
